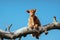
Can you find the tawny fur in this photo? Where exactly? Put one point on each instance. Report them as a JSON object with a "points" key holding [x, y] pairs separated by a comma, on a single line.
{"points": [[33, 22]]}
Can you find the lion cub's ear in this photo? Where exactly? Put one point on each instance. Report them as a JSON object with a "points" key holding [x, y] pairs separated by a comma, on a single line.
{"points": [[27, 11]]}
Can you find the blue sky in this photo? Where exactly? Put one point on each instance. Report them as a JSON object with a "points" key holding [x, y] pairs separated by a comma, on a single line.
{"points": [[14, 12]]}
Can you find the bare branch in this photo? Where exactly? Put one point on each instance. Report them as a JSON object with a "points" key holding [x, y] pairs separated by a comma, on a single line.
{"points": [[26, 30], [8, 28]]}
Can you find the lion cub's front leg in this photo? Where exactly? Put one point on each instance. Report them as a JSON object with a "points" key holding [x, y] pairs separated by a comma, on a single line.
{"points": [[31, 23]]}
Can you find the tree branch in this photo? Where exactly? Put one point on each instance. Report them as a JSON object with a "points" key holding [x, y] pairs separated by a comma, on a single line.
{"points": [[26, 30]]}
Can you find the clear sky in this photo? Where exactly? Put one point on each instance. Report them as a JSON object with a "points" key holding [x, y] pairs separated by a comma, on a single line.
{"points": [[14, 12]]}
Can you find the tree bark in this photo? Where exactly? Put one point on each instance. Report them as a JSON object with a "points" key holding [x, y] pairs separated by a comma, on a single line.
{"points": [[26, 30]]}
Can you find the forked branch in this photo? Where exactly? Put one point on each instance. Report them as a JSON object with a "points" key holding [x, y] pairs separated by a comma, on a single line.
{"points": [[26, 30]]}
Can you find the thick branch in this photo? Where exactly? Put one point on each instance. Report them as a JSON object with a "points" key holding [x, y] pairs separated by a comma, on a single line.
{"points": [[25, 31]]}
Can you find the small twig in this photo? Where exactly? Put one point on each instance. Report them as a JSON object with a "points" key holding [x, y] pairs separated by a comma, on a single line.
{"points": [[9, 27], [55, 19], [19, 38]]}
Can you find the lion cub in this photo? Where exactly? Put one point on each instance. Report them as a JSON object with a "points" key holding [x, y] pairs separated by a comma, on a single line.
{"points": [[33, 22]]}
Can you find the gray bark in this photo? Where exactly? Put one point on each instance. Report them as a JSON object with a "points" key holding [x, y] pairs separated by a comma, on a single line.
{"points": [[26, 30]]}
